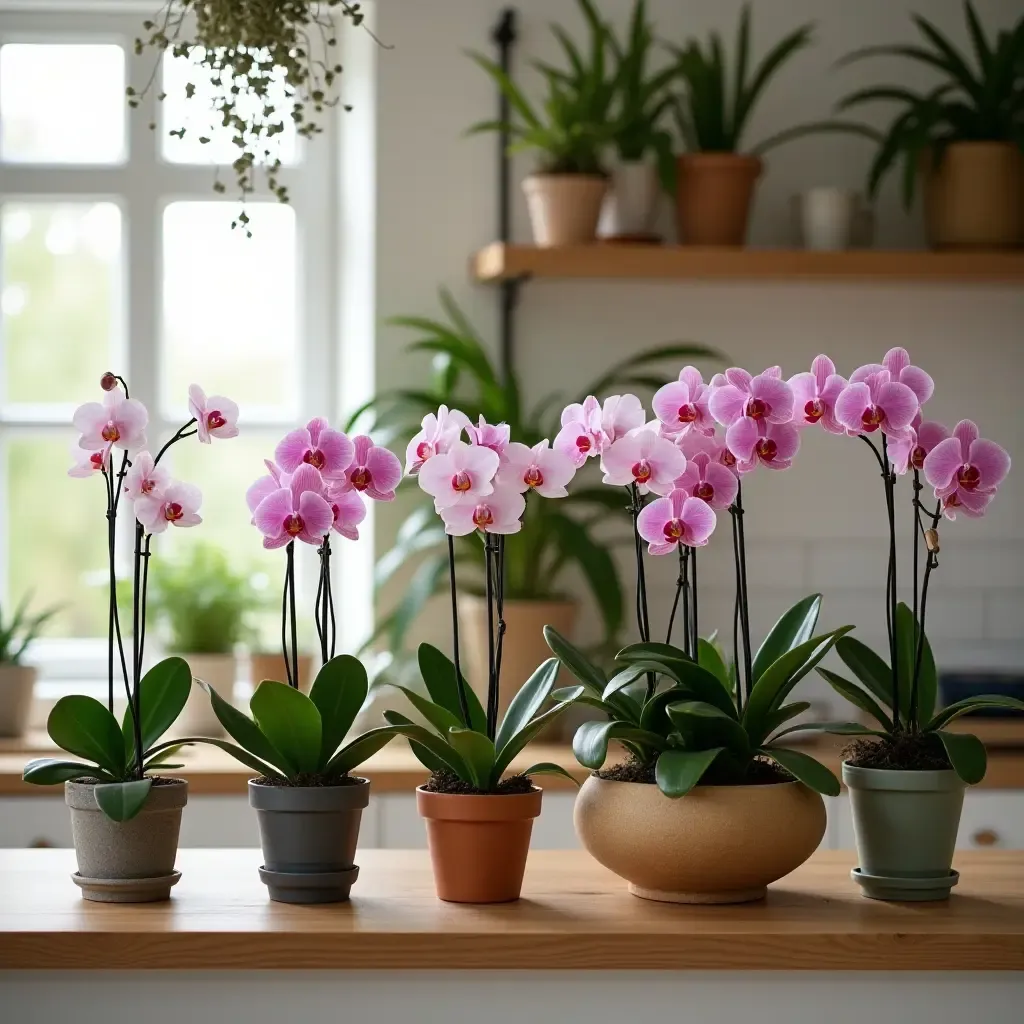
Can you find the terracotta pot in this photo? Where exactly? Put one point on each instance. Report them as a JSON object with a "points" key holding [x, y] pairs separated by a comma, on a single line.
{"points": [[478, 844], [631, 202], [523, 650], [220, 671], [271, 666], [713, 197], [17, 683], [974, 197], [564, 208], [717, 844]]}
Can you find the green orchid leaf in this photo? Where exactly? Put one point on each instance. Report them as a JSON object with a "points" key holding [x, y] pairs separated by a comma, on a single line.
{"points": [[908, 633], [440, 718], [338, 692], [868, 667], [121, 801], [52, 771], [353, 754], [794, 628], [590, 744], [708, 657], [84, 727], [478, 754], [246, 733], [804, 768], [856, 696], [686, 672], [780, 716], [290, 720], [525, 705], [966, 754], [712, 726], [968, 704], [530, 731], [163, 691], [588, 674], [440, 749], [438, 673], [550, 768], [833, 728], [678, 771]]}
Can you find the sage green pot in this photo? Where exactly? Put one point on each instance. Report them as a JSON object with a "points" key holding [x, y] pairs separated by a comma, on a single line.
{"points": [[905, 824]]}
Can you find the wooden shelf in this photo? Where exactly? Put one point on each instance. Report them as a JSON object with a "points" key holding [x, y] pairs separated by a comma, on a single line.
{"points": [[500, 262]]}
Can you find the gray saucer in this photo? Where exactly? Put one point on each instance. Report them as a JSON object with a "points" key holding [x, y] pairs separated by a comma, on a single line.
{"points": [[905, 890], [126, 890], [311, 887]]}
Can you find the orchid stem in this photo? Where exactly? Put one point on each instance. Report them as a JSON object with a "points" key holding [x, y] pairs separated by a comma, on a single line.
{"points": [[695, 647], [500, 609], [740, 555], [135, 697], [291, 610], [491, 685], [642, 618], [460, 683], [180, 433], [680, 582], [890, 501], [931, 563]]}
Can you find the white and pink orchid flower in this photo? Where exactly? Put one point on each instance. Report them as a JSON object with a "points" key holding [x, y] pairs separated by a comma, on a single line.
{"points": [[540, 468], [373, 471], [317, 444], [348, 510], [177, 504], [682, 405], [896, 363], [710, 481], [693, 444], [437, 434], [676, 519], [966, 470], [815, 394], [459, 476], [764, 397], [877, 403], [643, 458], [144, 478], [215, 416], [117, 421], [86, 463], [500, 511], [298, 511], [756, 442], [490, 435], [580, 437], [620, 414], [275, 479]]}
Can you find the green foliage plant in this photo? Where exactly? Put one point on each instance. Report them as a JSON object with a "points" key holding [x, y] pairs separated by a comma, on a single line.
{"points": [[21, 630]]}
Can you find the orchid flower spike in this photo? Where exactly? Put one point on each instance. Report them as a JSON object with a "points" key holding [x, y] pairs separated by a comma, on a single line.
{"points": [[117, 421], [709, 481], [876, 402], [500, 511], [580, 437], [540, 468], [298, 511], [764, 397], [815, 394], [437, 434], [488, 435], [317, 444], [682, 405], [145, 478], [373, 471], [643, 458], [176, 504], [966, 471], [215, 416], [677, 519], [460, 475]]}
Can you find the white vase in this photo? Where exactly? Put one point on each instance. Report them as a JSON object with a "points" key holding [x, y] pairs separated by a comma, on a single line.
{"points": [[828, 218], [631, 203], [220, 671]]}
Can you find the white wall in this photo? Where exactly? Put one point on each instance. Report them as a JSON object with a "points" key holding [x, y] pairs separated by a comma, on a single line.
{"points": [[820, 525]]}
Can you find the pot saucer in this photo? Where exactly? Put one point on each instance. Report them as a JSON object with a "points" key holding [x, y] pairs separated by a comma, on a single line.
{"points": [[905, 890], [126, 890], [309, 887]]}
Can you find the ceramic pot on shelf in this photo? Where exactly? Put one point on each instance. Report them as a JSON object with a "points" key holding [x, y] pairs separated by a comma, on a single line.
{"points": [[714, 192], [17, 684], [631, 202], [564, 208], [219, 671], [717, 844]]}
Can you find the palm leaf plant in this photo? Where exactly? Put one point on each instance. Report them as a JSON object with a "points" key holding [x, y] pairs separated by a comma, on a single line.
{"points": [[18, 632], [978, 97]]}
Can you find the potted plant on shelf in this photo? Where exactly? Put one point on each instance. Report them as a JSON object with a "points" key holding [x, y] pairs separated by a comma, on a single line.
{"points": [[751, 809], [907, 772], [963, 137], [125, 820], [465, 377], [17, 680]]}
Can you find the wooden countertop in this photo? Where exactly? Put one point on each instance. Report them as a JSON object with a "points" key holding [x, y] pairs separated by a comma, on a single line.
{"points": [[574, 915]]}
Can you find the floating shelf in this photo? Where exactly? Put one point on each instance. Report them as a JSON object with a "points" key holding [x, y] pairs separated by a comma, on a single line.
{"points": [[501, 262]]}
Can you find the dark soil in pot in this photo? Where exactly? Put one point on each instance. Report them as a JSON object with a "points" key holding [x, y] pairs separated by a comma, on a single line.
{"points": [[449, 782], [760, 773], [918, 752]]}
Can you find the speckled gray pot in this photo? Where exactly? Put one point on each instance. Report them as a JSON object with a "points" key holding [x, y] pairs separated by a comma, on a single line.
{"points": [[309, 836], [126, 861], [16, 685]]}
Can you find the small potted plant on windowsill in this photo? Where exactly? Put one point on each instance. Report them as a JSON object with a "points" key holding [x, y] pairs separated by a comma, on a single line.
{"points": [[17, 680]]}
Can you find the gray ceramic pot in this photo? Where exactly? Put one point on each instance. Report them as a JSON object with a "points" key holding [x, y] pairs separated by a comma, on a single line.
{"points": [[126, 861], [905, 824], [309, 836], [16, 686]]}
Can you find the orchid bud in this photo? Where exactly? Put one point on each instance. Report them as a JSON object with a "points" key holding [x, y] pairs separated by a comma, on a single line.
{"points": [[108, 381]]}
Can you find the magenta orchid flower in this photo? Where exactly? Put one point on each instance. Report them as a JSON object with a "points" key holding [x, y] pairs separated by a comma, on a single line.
{"points": [[298, 511], [500, 511], [909, 452], [215, 416], [896, 363], [265, 485], [373, 471], [145, 478], [815, 394], [580, 437], [764, 397], [489, 435], [437, 434], [877, 403], [693, 444], [117, 421], [347, 508], [966, 470], [643, 458], [710, 481], [177, 504], [540, 468], [317, 444], [682, 405], [86, 463], [754, 442], [460, 476], [676, 519]]}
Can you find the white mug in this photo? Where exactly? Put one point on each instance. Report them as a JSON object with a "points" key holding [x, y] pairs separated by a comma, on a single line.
{"points": [[832, 219]]}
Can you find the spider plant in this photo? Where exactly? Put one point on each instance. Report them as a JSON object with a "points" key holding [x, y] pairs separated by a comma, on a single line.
{"points": [[20, 630]]}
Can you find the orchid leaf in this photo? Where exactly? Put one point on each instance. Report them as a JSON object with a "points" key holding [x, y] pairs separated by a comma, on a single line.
{"points": [[966, 754], [969, 704], [590, 744], [794, 628], [856, 696], [550, 768], [338, 692], [51, 771], [84, 727], [478, 755], [438, 673], [353, 754], [291, 721], [804, 768], [525, 705], [530, 732], [121, 801], [246, 733], [678, 771], [573, 659]]}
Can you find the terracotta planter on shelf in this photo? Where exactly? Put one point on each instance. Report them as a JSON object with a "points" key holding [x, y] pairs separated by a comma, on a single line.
{"points": [[974, 196], [478, 844], [631, 203], [220, 671], [271, 666], [717, 844], [17, 683], [564, 208], [714, 192]]}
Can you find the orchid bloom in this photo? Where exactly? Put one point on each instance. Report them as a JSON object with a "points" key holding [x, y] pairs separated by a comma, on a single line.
{"points": [[87, 463], [297, 511], [677, 519], [145, 478], [877, 402], [966, 470], [177, 504], [738, 395], [437, 434], [215, 416], [580, 437], [460, 476], [693, 444], [896, 363], [317, 444], [709, 481], [489, 435], [540, 468], [115, 421], [682, 405], [909, 452], [773, 445], [643, 458], [620, 414], [265, 485], [498, 512], [347, 508], [373, 471], [815, 394]]}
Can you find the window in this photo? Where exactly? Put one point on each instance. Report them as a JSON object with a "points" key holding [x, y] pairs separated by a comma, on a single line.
{"points": [[116, 253]]}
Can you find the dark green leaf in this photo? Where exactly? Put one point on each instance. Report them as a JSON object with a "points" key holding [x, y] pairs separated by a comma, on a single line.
{"points": [[856, 696], [673, 663], [588, 674], [121, 801], [908, 636], [868, 667], [84, 727], [550, 768], [529, 733], [237, 752], [290, 720], [246, 733], [803, 767], [438, 674], [781, 715], [709, 726], [678, 771], [51, 771], [962, 707], [478, 755], [531, 697], [440, 718], [353, 754], [708, 657], [438, 747], [794, 628], [833, 728], [590, 744], [966, 754], [338, 692]]}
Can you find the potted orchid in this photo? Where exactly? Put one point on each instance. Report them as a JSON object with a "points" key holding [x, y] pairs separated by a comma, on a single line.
{"points": [[125, 820], [907, 771], [478, 821], [693, 727]]}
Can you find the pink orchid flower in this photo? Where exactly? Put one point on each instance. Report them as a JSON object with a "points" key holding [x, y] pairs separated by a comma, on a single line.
{"points": [[144, 478], [643, 458], [215, 416], [489, 435], [176, 505], [437, 434], [877, 402], [896, 363], [460, 476], [580, 437], [966, 470], [540, 469], [620, 414], [682, 405], [693, 444], [115, 421], [265, 485], [373, 471], [348, 510], [909, 452], [677, 519], [764, 397], [87, 463], [815, 394], [710, 481], [317, 444], [296, 512], [754, 442], [498, 512]]}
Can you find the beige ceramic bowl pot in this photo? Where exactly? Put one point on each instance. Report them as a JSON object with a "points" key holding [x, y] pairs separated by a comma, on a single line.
{"points": [[717, 844]]}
